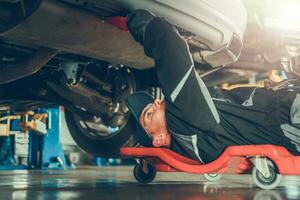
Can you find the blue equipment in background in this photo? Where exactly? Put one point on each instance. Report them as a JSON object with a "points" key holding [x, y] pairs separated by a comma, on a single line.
{"points": [[30, 140]]}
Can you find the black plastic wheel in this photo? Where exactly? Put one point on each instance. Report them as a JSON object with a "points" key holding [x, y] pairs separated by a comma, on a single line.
{"points": [[143, 177]]}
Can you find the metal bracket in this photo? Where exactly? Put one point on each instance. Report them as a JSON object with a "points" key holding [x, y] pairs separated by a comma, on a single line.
{"points": [[34, 122], [283, 84], [261, 164], [143, 163], [73, 71], [5, 124], [29, 121]]}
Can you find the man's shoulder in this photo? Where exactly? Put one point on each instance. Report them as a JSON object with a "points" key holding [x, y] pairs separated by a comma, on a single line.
{"points": [[177, 124]]}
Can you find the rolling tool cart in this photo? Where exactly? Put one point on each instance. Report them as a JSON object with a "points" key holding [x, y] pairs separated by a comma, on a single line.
{"points": [[268, 163]]}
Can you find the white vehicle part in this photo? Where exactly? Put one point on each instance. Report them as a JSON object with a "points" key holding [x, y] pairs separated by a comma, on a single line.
{"points": [[222, 57], [220, 25]]}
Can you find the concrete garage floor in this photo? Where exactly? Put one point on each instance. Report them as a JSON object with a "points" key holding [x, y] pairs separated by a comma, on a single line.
{"points": [[118, 183]]}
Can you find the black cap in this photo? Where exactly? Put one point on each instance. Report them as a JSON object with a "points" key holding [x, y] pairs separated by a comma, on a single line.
{"points": [[136, 102]]}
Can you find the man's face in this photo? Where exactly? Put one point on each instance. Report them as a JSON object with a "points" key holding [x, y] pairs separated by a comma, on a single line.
{"points": [[153, 121]]}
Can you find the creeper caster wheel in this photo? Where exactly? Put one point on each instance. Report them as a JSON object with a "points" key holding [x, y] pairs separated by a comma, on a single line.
{"points": [[213, 177], [144, 177], [268, 180]]}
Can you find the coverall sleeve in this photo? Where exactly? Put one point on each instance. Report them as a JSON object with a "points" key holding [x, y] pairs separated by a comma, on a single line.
{"points": [[181, 85], [186, 95]]}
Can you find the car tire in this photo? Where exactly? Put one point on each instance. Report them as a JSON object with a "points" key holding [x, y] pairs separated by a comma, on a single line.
{"points": [[106, 146]]}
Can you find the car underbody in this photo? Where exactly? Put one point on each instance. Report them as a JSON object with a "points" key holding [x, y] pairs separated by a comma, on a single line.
{"points": [[64, 53]]}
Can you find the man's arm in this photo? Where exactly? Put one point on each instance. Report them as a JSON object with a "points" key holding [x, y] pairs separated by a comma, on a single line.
{"points": [[183, 89]]}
